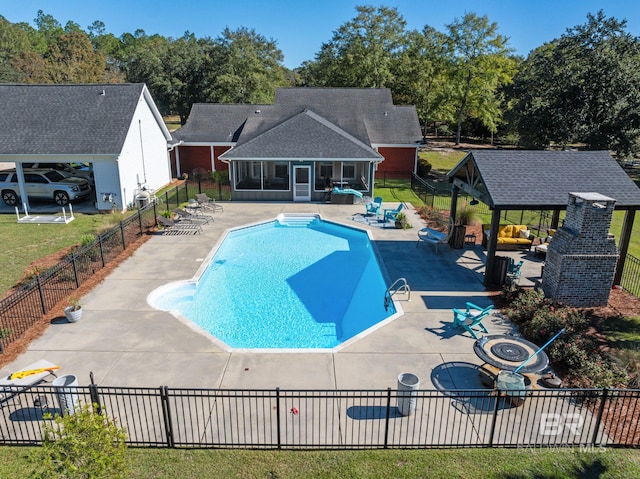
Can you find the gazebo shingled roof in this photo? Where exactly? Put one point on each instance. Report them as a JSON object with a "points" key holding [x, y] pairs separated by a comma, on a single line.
{"points": [[542, 180]]}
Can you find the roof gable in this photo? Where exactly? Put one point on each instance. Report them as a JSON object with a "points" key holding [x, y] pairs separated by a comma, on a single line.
{"points": [[69, 119], [304, 135], [525, 179]]}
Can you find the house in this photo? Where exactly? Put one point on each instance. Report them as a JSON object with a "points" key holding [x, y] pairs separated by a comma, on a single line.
{"points": [[308, 140], [115, 128]]}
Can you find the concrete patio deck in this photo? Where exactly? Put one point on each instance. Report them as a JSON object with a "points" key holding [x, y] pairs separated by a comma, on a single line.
{"points": [[125, 342]]}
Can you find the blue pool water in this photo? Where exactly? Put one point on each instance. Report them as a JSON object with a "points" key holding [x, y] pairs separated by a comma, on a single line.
{"points": [[274, 285]]}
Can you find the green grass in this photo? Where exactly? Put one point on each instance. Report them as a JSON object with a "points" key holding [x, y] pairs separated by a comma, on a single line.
{"points": [[24, 243], [442, 161], [448, 463]]}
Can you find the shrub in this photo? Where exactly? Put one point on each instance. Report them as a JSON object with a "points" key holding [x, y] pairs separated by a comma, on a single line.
{"points": [[525, 305], [424, 168], [468, 216], [81, 445]]}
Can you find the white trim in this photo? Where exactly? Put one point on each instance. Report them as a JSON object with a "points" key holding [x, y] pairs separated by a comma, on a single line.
{"points": [[207, 143], [212, 157], [395, 145]]}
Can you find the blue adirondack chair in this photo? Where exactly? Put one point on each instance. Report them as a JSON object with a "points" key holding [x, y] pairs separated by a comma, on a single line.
{"points": [[391, 214], [471, 318], [513, 270], [373, 208]]}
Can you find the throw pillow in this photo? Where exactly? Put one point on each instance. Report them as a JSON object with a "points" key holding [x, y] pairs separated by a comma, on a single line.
{"points": [[524, 234]]}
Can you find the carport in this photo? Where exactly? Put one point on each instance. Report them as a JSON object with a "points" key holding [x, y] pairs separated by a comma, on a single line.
{"points": [[542, 180]]}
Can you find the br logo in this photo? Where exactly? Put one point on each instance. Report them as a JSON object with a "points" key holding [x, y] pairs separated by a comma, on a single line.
{"points": [[554, 424]]}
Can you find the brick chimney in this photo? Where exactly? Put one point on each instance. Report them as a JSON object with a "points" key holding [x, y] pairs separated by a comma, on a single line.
{"points": [[582, 255]]}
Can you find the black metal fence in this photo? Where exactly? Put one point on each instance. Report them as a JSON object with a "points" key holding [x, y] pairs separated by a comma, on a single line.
{"points": [[33, 299], [340, 419], [188, 189], [631, 275]]}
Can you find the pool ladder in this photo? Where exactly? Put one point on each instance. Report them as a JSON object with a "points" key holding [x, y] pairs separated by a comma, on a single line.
{"points": [[400, 285]]}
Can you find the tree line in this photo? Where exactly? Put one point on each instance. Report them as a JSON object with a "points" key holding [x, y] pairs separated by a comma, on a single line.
{"points": [[580, 89]]}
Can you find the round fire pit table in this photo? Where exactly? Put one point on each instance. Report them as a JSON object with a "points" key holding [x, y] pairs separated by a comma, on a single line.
{"points": [[507, 352]]}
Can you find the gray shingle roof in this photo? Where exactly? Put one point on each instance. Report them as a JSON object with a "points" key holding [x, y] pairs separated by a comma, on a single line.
{"points": [[365, 113], [519, 179], [305, 135], [66, 119]]}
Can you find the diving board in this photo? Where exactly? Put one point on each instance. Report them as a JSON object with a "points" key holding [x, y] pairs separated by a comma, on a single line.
{"points": [[64, 218]]}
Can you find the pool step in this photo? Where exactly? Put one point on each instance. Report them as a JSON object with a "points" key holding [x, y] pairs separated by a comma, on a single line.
{"points": [[297, 220]]}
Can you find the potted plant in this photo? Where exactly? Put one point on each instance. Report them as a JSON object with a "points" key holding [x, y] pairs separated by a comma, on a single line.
{"points": [[402, 222], [73, 312]]}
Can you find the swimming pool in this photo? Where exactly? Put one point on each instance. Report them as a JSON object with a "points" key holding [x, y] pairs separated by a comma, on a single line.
{"points": [[297, 282]]}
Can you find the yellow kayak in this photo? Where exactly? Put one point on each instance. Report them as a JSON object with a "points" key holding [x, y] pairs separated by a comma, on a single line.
{"points": [[31, 372]]}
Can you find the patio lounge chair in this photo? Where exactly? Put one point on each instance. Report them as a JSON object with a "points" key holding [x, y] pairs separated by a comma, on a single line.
{"points": [[471, 319], [187, 216], [173, 227], [25, 378], [208, 203], [435, 237], [391, 214], [373, 208]]}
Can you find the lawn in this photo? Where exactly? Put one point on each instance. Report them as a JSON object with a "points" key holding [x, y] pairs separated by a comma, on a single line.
{"points": [[24, 243], [449, 463]]}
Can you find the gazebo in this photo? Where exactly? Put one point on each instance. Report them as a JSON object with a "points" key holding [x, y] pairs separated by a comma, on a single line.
{"points": [[542, 180]]}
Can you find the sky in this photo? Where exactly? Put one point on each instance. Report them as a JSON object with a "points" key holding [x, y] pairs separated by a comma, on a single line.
{"points": [[300, 27]]}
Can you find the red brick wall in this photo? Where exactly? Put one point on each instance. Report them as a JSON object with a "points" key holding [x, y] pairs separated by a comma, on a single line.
{"points": [[397, 159]]}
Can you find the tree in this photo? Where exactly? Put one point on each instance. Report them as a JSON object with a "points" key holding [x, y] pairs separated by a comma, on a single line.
{"points": [[421, 72], [247, 68], [583, 87], [72, 59], [361, 52], [481, 66]]}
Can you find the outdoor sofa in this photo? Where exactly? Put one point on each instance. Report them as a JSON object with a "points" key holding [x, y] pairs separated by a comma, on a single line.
{"points": [[510, 237]]}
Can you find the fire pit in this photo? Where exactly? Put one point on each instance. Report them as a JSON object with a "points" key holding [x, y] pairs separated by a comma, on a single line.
{"points": [[507, 352]]}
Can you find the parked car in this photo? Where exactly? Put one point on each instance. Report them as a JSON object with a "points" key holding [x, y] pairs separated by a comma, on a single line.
{"points": [[43, 184], [80, 170]]}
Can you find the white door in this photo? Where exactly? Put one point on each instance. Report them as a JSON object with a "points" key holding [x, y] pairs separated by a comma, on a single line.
{"points": [[301, 183]]}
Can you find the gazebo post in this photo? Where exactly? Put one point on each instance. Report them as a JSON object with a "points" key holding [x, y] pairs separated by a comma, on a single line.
{"points": [[491, 246], [453, 209], [623, 245], [555, 220]]}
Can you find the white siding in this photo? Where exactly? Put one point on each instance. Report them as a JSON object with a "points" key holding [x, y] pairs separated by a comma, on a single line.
{"points": [[144, 159]]}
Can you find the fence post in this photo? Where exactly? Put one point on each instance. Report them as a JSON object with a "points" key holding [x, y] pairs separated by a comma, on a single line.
{"points": [[278, 418], [386, 419], [140, 221], [495, 417], [605, 398], [93, 393], [101, 250], [166, 415], [219, 190], [44, 306], [124, 244], [75, 269]]}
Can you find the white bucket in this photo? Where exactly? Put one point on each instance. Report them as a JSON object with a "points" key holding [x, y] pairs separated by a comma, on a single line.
{"points": [[408, 385], [67, 393]]}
